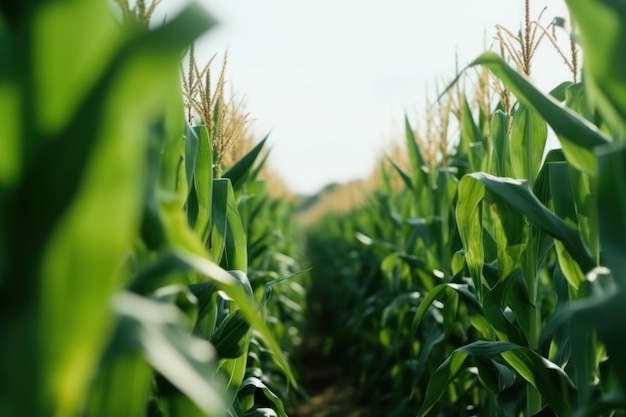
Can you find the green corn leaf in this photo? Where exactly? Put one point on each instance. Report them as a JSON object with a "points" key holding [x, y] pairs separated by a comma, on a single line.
{"points": [[496, 376], [576, 98], [261, 412], [475, 311], [239, 173], [549, 379], [159, 330], [173, 169], [500, 140], [228, 233], [10, 108], [236, 340], [406, 177], [477, 156], [233, 283], [155, 274], [510, 233], [177, 229], [61, 88], [248, 389], [469, 220], [415, 155], [236, 238], [520, 198], [529, 133], [561, 192], [206, 293], [267, 288], [599, 312], [399, 306], [518, 300], [385, 180], [584, 191], [203, 185], [85, 158], [122, 385], [219, 219], [607, 403], [604, 57], [560, 91], [493, 306], [544, 375], [577, 136], [191, 152], [441, 379], [237, 287], [152, 228], [230, 337], [235, 368], [254, 174], [541, 187], [611, 205], [472, 140], [431, 336], [175, 404], [469, 126], [565, 208], [182, 297]]}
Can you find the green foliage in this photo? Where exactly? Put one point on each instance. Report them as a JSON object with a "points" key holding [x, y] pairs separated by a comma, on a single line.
{"points": [[113, 229], [493, 285]]}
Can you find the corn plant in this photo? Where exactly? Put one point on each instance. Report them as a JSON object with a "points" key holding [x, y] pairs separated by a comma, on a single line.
{"points": [[123, 255], [486, 285]]}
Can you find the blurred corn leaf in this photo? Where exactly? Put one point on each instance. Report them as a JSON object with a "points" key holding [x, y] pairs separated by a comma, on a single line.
{"points": [[84, 142], [239, 172], [602, 26]]}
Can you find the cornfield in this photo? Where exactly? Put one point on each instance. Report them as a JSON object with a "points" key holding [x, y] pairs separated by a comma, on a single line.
{"points": [[147, 268], [133, 261]]}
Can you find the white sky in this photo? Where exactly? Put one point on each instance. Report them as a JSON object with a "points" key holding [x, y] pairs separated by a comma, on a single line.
{"points": [[332, 79]]}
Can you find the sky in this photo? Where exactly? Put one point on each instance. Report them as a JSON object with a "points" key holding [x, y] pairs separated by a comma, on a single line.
{"points": [[331, 80]]}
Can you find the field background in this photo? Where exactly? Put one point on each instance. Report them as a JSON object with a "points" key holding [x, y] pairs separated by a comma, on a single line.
{"points": [[152, 263]]}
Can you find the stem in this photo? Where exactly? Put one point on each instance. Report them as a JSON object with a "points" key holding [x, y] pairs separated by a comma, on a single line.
{"points": [[594, 233], [533, 397], [444, 209]]}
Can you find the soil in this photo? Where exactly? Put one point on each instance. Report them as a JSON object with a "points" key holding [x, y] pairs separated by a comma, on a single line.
{"points": [[333, 401], [331, 393]]}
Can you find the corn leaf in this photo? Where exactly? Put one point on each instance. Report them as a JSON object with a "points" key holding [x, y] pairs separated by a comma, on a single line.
{"points": [[203, 186], [605, 56], [474, 309], [239, 172], [187, 362], [101, 172], [248, 390], [529, 133], [237, 290], [415, 155], [228, 237], [469, 220], [500, 140], [577, 136], [553, 383], [612, 209], [520, 198]]}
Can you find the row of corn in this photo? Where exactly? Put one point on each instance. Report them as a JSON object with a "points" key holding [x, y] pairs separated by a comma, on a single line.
{"points": [[484, 277], [139, 275]]}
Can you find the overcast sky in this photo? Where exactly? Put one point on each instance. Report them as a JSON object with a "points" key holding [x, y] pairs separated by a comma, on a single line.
{"points": [[331, 79]]}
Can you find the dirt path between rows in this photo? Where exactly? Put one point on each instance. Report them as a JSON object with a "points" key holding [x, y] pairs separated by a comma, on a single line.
{"points": [[331, 393]]}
